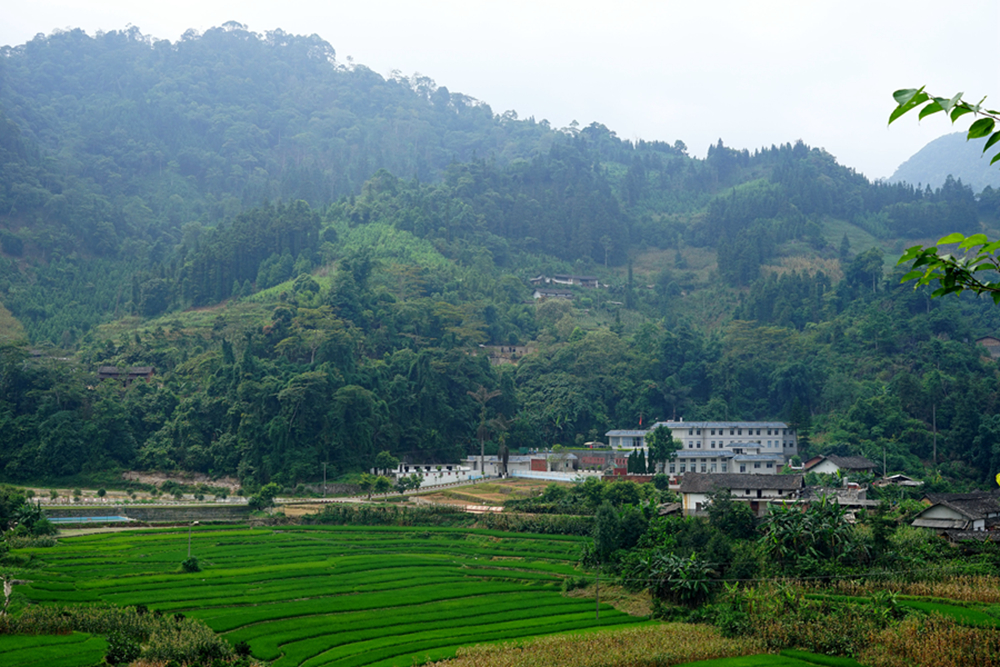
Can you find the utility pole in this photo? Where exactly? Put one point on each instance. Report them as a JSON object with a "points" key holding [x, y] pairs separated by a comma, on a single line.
{"points": [[324, 480]]}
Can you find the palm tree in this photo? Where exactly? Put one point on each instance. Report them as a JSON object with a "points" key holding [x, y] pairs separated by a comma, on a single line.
{"points": [[482, 396]]}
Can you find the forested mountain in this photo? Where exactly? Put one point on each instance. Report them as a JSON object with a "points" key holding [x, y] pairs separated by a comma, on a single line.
{"points": [[316, 261], [951, 155]]}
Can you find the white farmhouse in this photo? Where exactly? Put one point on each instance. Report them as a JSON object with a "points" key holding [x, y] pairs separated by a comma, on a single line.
{"points": [[833, 465], [976, 511], [758, 490]]}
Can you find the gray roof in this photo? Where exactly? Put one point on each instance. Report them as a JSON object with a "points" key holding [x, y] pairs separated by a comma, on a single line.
{"points": [[700, 482], [670, 508], [703, 454], [627, 432], [975, 505], [491, 458], [682, 424], [940, 524], [846, 462], [978, 535], [759, 457]]}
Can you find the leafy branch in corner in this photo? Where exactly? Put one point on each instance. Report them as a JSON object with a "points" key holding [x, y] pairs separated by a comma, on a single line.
{"points": [[909, 99], [954, 273]]}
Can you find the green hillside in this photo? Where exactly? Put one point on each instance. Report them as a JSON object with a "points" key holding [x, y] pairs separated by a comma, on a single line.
{"points": [[315, 260]]}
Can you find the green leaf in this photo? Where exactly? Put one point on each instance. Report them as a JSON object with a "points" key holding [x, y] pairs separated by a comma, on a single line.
{"points": [[905, 95], [975, 239], [931, 108], [995, 158], [981, 128], [911, 275], [919, 99], [992, 140], [957, 237], [950, 104], [959, 111]]}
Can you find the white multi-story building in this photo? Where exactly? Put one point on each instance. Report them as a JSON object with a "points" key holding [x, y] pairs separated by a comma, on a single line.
{"points": [[750, 447]]}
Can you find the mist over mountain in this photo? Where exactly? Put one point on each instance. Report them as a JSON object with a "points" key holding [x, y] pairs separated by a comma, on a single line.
{"points": [[950, 155]]}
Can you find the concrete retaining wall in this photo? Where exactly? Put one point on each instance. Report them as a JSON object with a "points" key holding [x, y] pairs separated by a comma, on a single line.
{"points": [[158, 512]]}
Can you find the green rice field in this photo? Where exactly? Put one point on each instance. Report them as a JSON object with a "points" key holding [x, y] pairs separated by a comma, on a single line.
{"points": [[322, 596], [74, 650]]}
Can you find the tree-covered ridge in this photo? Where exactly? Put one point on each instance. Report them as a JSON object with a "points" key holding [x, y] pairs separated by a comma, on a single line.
{"points": [[144, 134], [383, 354]]}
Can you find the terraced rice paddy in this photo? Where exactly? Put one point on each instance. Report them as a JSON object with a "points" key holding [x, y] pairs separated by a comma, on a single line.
{"points": [[75, 650], [324, 596]]}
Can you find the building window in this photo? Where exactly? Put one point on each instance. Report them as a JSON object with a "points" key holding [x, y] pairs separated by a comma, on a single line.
{"points": [[739, 431], [713, 444], [723, 467], [698, 430], [673, 468], [732, 431], [691, 432], [713, 431], [758, 431], [690, 444], [683, 467], [703, 466], [748, 492], [756, 465], [711, 467], [770, 465], [743, 468]]}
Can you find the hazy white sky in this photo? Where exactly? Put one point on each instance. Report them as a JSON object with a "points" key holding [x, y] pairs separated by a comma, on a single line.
{"points": [[752, 73]]}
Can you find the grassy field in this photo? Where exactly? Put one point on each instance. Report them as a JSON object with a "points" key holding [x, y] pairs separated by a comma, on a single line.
{"points": [[318, 596]]}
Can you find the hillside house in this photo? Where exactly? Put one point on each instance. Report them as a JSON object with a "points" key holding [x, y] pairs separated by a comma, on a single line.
{"points": [[832, 465], [897, 480], [589, 282], [758, 490], [627, 439], [492, 466], [126, 376], [949, 512], [579, 281], [549, 293]]}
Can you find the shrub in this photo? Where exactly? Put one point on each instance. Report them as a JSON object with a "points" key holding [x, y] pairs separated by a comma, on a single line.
{"points": [[573, 583], [190, 564], [121, 649]]}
